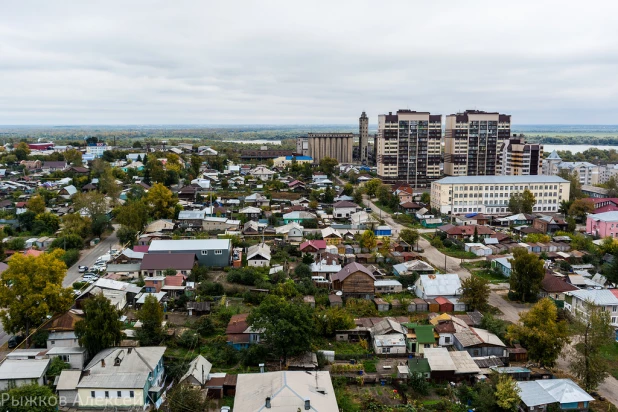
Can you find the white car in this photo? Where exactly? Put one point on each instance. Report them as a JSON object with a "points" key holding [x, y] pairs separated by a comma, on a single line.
{"points": [[82, 269], [90, 277]]}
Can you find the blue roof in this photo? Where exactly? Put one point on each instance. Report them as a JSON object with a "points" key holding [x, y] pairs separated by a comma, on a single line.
{"points": [[471, 214], [298, 157]]}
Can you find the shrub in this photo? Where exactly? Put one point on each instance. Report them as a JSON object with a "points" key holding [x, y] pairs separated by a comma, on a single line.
{"points": [[188, 339], [70, 257]]}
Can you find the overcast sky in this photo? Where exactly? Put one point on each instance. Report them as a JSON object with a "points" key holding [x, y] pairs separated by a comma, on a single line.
{"points": [[271, 62]]}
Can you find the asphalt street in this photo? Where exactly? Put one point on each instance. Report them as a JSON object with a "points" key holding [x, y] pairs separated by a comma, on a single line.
{"points": [[90, 256]]}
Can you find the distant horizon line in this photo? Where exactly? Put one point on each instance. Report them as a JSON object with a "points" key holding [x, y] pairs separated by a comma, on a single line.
{"points": [[268, 125]]}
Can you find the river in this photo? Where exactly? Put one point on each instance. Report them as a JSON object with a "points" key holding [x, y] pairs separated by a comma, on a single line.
{"points": [[574, 148]]}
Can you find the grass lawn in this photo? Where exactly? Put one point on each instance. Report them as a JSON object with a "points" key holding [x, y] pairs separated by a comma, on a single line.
{"points": [[385, 208], [341, 348], [490, 275], [370, 365], [610, 353], [451, 251]]}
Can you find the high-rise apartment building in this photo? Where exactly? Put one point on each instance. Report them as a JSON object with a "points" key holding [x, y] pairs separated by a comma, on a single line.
{"points": [[363, 137], [320, 145], [472, 141], [518, 158], [408, 147]]}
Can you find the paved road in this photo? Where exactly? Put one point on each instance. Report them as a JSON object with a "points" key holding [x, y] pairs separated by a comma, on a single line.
{"points": [[510, 311], [90, 256]]}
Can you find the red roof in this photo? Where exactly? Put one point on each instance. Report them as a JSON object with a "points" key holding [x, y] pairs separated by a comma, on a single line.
{"points": [[177, 280], [602, 200], [554, 284], [141, 249], [34, 252], [441, 300], [350, 269], [317, 244], [237, 324], [606, 208], [468, 230], [614, 292]]}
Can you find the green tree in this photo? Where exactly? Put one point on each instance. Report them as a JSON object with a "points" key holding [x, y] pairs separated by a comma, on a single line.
{"points": [[151, 316], [575, 191], [46, 223], [126, 236], [358, 197], [527, 273], [287, 327], [184, 398], [580, 209], [32, 290], [328, 164], [475, 292], [593, 332], [73, 157], [333, 319], [507, 394], [302, 271], [571, 224], [564, 207], [137, 144], [56, 366], [329, 195], [95, 207], [21, 151], [348, 189], [36, 204], [475, 238], [162, 201], [410, 236], [516, 203], [133, 214], [75, 224], [30, 398], [101, 327], [371, 187], [368, 240], [426, 198], [196, 163], [527, 201], [538, 238], [540, 332]]}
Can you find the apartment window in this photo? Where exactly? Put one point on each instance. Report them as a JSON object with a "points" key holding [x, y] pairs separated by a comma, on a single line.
{"points": [[107, 394], [204, 252], [447, 339], [132, 394], [218, 252], [92, 394], [614, 308], [119, 394]]}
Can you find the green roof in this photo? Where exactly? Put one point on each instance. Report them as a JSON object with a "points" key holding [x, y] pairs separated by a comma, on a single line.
{"points": [[419, 365], [424, 333]]}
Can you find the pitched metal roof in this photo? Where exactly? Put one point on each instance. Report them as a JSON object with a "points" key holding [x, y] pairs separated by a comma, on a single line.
{"points": [[188, 245]]}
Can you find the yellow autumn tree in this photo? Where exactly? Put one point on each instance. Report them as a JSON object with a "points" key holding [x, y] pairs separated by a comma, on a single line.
{"points": [[162, 201], [31, 290]]}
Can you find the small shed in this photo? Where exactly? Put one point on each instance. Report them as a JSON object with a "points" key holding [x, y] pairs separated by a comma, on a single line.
{"points": [[433, 306], [335, 301], [412, 306], [198, 308], [457, 305], [381, 304], [445, 304], [421, 305], [383, 231], [517, 353], [309, 300]]}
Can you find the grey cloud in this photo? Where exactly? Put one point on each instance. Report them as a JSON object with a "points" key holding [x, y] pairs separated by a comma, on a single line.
{"points": [[281, 62]]}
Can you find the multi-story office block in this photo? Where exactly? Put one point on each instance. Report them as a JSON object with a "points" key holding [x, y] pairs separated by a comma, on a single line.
{"points": [[490, 194], [518, 158], [363, 137], [408, 147], [320, 145], [472, 140]]}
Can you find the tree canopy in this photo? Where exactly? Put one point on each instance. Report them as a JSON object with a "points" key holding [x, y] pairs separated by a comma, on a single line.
{"points": [[475, 292], [541, 333], [161, 201], [151, 316], [101, 327], [527, 273], [288, 327], [31, 290]]}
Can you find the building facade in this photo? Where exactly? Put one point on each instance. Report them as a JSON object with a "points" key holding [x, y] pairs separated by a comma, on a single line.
{"points": [[589, 174], [320, 145], [363, 137], [490, 194], [518, 158], [408, 147], [472, 140]]}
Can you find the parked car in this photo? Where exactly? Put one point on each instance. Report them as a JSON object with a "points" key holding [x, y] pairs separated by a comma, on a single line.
{"points": [[82, 268], [15, 340], [226, 409], [90, 277], [368, 210]]}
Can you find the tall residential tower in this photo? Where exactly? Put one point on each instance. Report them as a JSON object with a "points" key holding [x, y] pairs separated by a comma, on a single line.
{"points": [[408, 147], [472, 141], [363, 137]]}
